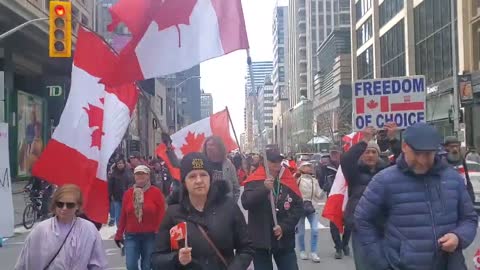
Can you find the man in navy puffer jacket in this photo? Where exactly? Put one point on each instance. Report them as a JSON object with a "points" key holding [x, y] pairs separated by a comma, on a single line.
{"points": [[429, 217]]}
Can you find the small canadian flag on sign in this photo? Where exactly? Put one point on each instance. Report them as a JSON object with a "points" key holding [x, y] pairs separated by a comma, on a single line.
{"points": [[178, 233]]}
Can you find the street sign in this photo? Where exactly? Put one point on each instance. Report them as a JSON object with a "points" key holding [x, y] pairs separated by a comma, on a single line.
{"points": [[379, 101]]}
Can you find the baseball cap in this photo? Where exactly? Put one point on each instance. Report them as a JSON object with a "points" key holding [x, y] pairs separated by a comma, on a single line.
{"points": [[141, 169], [273, 155], [422, 137]]}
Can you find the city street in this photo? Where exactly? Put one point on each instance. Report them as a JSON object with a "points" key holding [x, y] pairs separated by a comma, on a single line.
{"points": [[12, 247]]}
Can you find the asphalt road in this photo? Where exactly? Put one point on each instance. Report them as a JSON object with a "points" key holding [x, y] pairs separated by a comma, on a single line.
{"points": [[12, 248]]}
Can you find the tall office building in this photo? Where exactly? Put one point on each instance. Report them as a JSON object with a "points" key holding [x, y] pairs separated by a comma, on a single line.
{"points": [[206, 105], [309, 24], [265, 110], [259, 71], [280, 71], [394, 38]]}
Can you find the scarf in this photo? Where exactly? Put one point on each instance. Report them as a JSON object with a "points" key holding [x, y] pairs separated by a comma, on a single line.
{"points": [[138, 199]]}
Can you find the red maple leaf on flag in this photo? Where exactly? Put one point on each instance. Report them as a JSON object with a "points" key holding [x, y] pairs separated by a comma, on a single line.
{"points": [[173, 13], [95, 120], [372, 104], [194, 143], [137, 15]]}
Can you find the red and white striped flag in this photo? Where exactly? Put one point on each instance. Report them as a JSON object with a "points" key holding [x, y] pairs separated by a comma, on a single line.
{"points": [[191, 138], [170, 36], [91, 127], [337, 200], [476, 260], [351, 139]]}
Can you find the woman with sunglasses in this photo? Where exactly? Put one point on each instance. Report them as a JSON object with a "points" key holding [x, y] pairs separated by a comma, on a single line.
{"points": [[64, 241]]}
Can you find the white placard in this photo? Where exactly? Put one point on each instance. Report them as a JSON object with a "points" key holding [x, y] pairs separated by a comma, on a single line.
{"points": [[6, 200], [379, 101]]}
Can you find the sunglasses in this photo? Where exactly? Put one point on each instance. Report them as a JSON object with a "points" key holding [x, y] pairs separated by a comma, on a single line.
{"points": [[61, 205]]}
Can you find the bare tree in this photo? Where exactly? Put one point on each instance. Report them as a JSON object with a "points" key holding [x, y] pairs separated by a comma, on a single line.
{"points": [[343, 124]]}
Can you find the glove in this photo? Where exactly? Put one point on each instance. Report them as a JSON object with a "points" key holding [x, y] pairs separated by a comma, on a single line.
{"points": [[166, 139], [120, 243]]}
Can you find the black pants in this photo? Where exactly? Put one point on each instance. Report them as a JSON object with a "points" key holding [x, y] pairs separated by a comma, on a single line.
{"points": [[340, 242], [286, 259]]}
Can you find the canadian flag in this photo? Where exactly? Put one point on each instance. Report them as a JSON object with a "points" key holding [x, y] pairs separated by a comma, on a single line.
{"points": [[337, 200], [170, 36], [351, 139], [191, 138], [177, 233], [92, 125]]}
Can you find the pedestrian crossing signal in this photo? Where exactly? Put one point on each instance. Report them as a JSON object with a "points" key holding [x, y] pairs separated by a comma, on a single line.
{"points": [[60, 32]]}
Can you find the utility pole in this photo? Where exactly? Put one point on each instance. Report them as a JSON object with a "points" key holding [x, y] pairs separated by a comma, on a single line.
{"points": [[455, 105]]}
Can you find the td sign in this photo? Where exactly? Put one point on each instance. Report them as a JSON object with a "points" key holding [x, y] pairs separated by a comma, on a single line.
{"points": [[55, 91]]}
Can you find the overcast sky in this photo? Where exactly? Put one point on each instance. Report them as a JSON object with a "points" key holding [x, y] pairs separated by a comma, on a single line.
{"points": [[224, 77]]}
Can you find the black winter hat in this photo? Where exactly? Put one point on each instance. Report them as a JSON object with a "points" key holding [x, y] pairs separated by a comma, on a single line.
{"points": [[194, 161]]}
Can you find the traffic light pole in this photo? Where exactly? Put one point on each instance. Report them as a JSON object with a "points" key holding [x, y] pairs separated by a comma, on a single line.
{"points": [[27, 23]]}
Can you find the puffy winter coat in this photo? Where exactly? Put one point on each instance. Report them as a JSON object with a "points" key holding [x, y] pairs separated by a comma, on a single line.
{"points": [[309, 188], [418, 210], [225, 225]]}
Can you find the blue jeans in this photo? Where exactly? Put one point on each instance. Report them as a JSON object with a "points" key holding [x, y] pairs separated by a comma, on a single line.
{"points": [[313, 220], [112, 213], [117, 208], [286, 259], [139, 246]]}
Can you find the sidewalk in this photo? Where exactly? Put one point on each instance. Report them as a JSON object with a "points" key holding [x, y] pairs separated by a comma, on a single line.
{"points": [[18, 201]]}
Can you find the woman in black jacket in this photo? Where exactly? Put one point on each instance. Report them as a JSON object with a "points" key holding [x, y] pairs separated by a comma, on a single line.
{"points": [[203, 206], [118, 182]]}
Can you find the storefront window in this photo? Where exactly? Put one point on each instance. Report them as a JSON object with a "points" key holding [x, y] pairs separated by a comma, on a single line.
{"points": [[30, 131]]}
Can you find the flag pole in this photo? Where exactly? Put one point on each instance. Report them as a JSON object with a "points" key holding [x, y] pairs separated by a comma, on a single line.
{"points": [[233, 128], [264, 150]]}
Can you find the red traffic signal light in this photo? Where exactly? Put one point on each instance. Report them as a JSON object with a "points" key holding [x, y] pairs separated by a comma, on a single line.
{"points": [[60, 10]]}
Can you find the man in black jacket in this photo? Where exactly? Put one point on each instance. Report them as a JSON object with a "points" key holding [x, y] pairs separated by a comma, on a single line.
{"points": [[270, 240], [326, 175], [359, 165], [455, 159]]}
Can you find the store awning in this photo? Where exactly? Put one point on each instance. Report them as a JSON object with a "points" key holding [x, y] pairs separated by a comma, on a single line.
{"points": [[319, 140]]}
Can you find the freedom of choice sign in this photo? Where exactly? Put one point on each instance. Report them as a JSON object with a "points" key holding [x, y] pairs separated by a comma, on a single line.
{"points": [[377, 102]]}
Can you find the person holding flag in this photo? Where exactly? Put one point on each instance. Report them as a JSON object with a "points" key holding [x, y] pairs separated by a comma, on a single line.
{"points": [[273, 236], [209, 224], [359, 165]]}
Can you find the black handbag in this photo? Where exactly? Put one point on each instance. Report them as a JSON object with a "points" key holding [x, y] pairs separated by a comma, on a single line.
{"points": [[308, 208]]}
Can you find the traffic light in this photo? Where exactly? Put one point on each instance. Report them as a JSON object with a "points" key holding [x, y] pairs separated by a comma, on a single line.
{"points": [[60, 33]]}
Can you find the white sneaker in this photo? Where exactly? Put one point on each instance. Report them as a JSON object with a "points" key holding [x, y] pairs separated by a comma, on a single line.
{"points": [[303, 255], [314, 257]]}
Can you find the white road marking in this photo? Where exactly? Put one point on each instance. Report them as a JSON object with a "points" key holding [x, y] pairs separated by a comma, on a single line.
{"points": [[107, 232]]}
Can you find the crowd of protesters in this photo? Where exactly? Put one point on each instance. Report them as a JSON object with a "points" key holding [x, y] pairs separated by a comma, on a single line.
{"points": [[410, 206]]}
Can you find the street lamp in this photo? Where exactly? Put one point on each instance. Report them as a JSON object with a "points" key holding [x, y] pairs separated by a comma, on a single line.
{"points": [[175, 89]]}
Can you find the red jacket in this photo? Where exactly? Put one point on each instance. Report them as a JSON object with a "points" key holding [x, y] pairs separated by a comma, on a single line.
{"points": [[153, 212]]}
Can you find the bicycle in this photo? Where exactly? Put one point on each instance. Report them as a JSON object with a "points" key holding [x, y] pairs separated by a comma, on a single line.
{"points": [[33, 209]]}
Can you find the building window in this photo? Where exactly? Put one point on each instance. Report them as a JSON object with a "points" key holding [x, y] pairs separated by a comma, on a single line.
{"points": [[433, 51], [361, 7], [365, 64], [364, 33], [392, 51], [388, 9]]}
